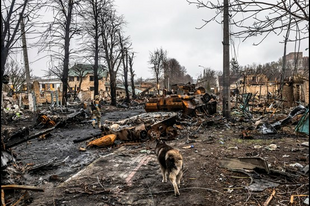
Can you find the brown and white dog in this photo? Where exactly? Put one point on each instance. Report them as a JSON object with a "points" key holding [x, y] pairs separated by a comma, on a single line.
{"points": [[171, 164]]}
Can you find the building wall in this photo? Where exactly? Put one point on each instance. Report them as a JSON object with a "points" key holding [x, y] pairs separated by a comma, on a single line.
{"points": [[87, 83], [259, 89], [305, 91], [45, 97], [298, 92], [87, 87]]}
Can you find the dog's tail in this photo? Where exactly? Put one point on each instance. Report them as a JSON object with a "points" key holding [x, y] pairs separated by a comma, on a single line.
{"points": [[173, 160]]}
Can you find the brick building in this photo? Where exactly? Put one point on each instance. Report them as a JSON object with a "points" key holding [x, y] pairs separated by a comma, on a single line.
{"points": [[81, 79]]}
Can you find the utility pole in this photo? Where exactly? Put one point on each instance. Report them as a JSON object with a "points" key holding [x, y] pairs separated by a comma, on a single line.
{"points": [[30, 99], [226, 80]]}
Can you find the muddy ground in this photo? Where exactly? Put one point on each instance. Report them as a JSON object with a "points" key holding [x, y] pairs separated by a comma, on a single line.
{"points": [[128, 174]]}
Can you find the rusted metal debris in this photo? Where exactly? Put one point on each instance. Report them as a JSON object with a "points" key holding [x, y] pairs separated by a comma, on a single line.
{"points": [[104, 141], [142, 127], [191, 102]]}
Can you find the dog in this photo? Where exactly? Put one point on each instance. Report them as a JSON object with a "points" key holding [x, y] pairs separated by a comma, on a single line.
{"points": [[171, 164]]}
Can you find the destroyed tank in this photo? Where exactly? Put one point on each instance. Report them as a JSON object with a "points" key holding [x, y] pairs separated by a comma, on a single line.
{"points": [[190, 103]]}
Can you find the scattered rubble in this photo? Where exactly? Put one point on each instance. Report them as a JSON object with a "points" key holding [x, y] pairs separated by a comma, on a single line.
{"points": [[54, 156]]}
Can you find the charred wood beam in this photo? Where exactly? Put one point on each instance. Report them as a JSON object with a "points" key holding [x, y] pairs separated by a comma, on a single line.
{"points": [[20, 139], [23, 135], [21, 132], [47, 165]]}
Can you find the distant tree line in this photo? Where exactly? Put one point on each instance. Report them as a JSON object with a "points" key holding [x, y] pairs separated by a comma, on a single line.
{"points": [[169, 70], [272, 70]]}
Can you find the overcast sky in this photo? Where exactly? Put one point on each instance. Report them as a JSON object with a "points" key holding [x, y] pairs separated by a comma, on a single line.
{"points": [[171, 25]]}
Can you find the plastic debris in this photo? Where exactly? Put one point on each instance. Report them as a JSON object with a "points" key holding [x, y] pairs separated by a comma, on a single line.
{"points": [[296, 165], [271, 147], [306, 201]]}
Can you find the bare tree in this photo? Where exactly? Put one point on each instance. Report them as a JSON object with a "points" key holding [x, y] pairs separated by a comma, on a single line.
{"points": [[79, 71], [12, 13], [125, 63], [157, 60], [11, 16], [132, 74], [17, 76], [174, 73], [58, 72], [111, 25], [59, 34], [94, 9], [188, 78], [55, 71], [254, 18]]}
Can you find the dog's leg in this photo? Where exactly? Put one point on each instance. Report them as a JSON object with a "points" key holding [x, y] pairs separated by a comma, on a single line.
{"points": [[172, 179], [163, 172], [165, 175], [179, 176]]}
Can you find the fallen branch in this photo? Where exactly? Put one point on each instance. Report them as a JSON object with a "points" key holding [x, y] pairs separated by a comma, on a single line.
{"points": [[292, 197], [21, 187], [16, 203], [2, 197], [99, 182], [266, 203]]}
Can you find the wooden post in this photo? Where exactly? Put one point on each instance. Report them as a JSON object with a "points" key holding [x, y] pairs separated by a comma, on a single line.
{"points": [[226, 79], [22, 25]]}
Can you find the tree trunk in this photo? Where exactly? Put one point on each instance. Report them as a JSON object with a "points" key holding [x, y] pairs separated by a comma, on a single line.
{"points": [[113, 88], [132, 75], [127, 100], [157, 83], [80, 83], [133, 88], [226, 80], [96, 84], [67, 53]]}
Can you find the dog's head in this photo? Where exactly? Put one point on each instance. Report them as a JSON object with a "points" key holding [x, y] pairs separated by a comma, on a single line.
{"points": [[159, 142]]}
